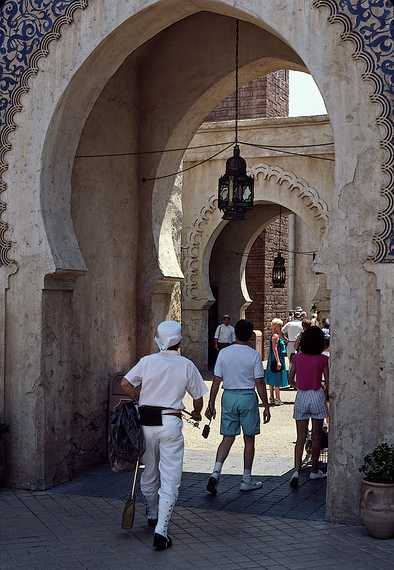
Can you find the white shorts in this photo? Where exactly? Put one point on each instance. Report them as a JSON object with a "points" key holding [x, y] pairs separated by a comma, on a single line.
{"points": [[310, 404]]}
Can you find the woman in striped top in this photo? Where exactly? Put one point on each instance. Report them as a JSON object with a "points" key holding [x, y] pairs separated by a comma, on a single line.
{"points": [[308, 369]]}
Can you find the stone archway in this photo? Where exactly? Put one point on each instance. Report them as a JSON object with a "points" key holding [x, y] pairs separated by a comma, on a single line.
{"points": [[41, 229]]}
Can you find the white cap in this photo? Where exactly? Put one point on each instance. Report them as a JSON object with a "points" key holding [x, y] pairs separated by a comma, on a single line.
{"points": [[169, 333]]}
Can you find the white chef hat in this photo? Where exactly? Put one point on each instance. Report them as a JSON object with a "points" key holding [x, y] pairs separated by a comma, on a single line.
{"points": [[169, 333]]}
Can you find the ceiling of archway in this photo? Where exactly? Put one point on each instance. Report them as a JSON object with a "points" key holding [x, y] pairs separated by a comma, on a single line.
{"points": [[28, 28]]}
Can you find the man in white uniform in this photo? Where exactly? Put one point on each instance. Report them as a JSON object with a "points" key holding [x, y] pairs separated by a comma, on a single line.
{"points": [[159, 382], [225, 334], [240, 369], [292, 330]]}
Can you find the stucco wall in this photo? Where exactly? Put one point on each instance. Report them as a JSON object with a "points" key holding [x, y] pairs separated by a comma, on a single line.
{"points": [[105, 215]]}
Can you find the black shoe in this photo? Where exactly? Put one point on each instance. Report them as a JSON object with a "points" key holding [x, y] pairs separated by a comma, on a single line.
{"points": [[152, 523], [294, 482], [161, 542], [212, 485]]}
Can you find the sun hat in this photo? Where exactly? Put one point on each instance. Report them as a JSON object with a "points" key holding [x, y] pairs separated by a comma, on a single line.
{"points": [[169, 333]]}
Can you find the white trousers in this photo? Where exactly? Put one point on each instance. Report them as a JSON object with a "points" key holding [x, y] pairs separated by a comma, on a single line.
{"points": [[161, 479]]}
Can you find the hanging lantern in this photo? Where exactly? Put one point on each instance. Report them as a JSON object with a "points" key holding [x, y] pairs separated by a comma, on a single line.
{"points": [[279, 272], [279, 268], [236, 188]]}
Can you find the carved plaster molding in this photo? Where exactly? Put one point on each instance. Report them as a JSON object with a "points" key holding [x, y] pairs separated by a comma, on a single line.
{"points": [[295, 184], [26, 32], [369, 26], [192, 251]]}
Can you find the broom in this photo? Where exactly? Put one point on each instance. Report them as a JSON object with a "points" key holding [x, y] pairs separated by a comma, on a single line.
{"points": [[129, 508]]}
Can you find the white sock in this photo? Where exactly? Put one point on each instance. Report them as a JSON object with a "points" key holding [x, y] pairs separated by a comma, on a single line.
{"points": [[217, 469], [247, 474], [295, 474]]}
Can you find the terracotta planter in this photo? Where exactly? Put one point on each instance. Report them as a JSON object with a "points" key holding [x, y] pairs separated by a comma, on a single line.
{"points": [[377, 508]]}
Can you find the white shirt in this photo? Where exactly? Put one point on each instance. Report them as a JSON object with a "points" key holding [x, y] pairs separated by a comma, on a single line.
{"points": [[165, 377], [292, 330], [239, 366], [225, 334]]}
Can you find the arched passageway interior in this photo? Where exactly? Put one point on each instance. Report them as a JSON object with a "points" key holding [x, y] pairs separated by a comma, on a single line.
{"points": [[240, 271], [115, 91]]}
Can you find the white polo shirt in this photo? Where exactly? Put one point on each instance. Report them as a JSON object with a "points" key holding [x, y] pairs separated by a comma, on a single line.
{"points": [[239, 366], [292, 329], [225, 334], [165, 378]]}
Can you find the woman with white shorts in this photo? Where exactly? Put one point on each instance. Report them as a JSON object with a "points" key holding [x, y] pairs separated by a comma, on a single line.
{"points": [[308, 368]]}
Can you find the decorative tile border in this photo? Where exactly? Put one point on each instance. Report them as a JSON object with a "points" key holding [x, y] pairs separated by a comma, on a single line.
{"points": [[369, 25], [27, 27]]}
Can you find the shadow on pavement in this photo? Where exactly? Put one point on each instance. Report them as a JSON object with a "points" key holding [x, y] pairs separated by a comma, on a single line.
{"points": [[275, 498]]}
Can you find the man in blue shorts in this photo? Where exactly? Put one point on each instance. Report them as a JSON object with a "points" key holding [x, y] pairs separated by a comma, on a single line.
{"points": [[240, 369]]}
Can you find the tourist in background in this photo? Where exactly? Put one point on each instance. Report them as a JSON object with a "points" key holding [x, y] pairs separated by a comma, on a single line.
{"points": [[306, 323], [276, 375], [325, 327], [225, 334], [308, 370], [240, 369], [291, 330]]}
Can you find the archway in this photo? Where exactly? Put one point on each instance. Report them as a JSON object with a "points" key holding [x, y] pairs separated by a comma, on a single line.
{"points": [[42, 225]]}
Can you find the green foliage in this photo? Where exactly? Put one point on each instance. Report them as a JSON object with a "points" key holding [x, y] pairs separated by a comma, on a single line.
{"points": [[378, 466]]}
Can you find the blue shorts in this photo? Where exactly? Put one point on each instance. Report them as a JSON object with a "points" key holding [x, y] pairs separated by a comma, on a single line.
{"points": [[240, 408]]}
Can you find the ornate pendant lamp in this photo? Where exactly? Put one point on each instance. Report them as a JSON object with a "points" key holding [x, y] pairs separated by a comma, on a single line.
{"points": [[279, 269], [236, 188]]}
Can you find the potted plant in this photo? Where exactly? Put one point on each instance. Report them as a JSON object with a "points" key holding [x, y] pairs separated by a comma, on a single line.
{"points": [[4, 428], [377, 491]]}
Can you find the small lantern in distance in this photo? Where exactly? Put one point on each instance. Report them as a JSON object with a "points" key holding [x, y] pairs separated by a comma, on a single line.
{"points": [[236, 188], [279, 272]]}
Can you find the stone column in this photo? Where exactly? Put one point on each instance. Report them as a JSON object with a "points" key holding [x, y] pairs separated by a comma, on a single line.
{"points": [[354, 386], [384, 360], [195, 334]]}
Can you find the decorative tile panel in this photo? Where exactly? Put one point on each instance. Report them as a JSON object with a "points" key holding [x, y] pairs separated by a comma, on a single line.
{"points": [[27, 27], [369, 25]]}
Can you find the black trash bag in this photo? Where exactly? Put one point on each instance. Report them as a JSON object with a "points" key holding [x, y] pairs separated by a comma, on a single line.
{"points": [[126, 439]]}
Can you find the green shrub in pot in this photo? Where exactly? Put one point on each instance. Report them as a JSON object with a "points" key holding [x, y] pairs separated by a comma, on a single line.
{"points": [[377, 491]]}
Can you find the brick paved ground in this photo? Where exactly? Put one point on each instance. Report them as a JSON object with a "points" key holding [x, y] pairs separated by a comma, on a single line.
{"points": [[76, 525]]}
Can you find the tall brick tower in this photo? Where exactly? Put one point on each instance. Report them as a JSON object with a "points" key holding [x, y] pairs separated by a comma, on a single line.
{"points": [[267, 97], [264, 97]]}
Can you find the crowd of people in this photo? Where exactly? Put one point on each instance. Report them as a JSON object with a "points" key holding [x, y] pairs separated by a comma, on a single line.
{"points": [[160, 381]]}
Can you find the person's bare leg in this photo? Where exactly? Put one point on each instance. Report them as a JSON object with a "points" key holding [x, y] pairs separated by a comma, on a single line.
{"points": [[224, 448], [271, 392], [221, 456], [317, 426], [248, 452], [277, 393], [302, 430], [247, 483]]}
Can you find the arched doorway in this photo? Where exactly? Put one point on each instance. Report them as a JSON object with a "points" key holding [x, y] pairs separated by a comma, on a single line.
{"points": [[49, 250]]}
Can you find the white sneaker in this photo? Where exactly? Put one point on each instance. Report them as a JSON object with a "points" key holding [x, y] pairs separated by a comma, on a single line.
{"points": [[250, 485], [318, 475]]}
